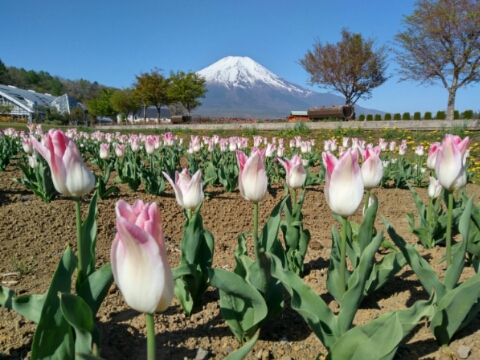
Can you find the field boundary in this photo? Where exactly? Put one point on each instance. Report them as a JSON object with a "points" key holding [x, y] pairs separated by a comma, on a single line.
{"points": [[422, 125]]}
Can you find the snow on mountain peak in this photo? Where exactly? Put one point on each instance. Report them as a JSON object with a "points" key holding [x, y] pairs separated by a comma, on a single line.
{"points": [[242, 71]]}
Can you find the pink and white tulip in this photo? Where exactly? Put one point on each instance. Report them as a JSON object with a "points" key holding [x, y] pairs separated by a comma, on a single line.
{"points": [[344, 182], [372, 167], [188, 190], [434, 188], [449, 164], [252, 180], [296, 173], [69, 174], [139, 258], [103, 152]]}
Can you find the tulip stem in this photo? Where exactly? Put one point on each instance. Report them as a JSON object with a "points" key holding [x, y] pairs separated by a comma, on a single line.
{"points": [[255, 230], [294, 197], [367, 200], [78, 213], [343, 259], [150, 337], [430, 212], [449, 229], [259, 256]]}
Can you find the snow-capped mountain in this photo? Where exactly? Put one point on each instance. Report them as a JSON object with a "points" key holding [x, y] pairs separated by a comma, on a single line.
{"points": [[240, 87], [241, 71]]}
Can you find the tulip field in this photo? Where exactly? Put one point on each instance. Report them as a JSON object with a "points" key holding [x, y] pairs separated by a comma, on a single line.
{"points": [[335, 244]]}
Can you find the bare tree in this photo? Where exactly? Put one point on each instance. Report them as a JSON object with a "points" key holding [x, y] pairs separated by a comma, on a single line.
{"points": [[441, 44], [352, 66]]}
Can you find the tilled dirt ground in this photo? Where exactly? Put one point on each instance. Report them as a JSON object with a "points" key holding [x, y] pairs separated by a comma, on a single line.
{"points": [[34, 234]]}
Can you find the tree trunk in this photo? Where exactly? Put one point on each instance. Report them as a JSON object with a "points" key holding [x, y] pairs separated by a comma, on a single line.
{"points": [[145, 113], [158, 113], [451, 104]]}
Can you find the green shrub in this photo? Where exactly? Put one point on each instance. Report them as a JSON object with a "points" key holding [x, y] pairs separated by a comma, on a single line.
{"points": [[388, 116], [361, 117], [377, 117], [440, 115], [397, 116], [406, 116], [468, 114], [456, 115], [428, 115], [417, 115], [369, 117]]}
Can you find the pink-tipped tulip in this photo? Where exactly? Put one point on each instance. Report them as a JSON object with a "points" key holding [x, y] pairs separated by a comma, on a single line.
{"points": [[252, 180], [296, 173], [120, 150], [449, 165], [139, 259], [69, 174], [432, 155], [27, 145], [372, 167], [188, 190], [103, 152], [344, 183], [434, 188]]}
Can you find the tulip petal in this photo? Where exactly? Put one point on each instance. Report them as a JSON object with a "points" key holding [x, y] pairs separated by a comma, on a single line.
{"points": [[140, 271], [78, 180], [344, 189]]}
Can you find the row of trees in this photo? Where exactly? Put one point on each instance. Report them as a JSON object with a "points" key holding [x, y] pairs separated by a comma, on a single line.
{"points": [[439, 45], [180, 92]]}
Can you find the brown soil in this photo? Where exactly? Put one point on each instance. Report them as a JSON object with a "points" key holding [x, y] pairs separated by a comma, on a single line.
{"points": [[33, 232]]}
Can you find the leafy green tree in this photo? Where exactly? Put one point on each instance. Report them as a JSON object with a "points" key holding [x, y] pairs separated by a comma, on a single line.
{"points": [[125, 102], [352, 66], [441, 43], [102, 106], [152, 89], [187, 89], [4, 78]]}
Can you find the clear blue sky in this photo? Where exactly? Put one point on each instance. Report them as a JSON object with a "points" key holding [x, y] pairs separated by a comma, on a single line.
{"points": [[111, 41]]}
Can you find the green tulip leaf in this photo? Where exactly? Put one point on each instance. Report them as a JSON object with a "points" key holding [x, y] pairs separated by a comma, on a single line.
{"points": [[366, 230], [454, 308], [53, 338], [95, 288], [356, 284], [333, 272], [452, 275], [29, 306], [182, 292], [379, 338], [80, 317], [419, 265], [307, 303], [384, 270], [242, 306], [241, 353]]}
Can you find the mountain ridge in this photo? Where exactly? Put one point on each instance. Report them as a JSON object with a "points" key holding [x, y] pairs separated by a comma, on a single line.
{"points": [[240, 87]]}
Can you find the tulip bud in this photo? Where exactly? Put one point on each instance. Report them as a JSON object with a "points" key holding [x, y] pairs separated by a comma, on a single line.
{"points": [[139, 259], [296, 173], [449, 164], [434, 188], [33, 161], [103, 153], [188, 190], [372, 168], [119, 150], [432, 155], [343, 183], [69, 174], [27, 145], [252, 180]]}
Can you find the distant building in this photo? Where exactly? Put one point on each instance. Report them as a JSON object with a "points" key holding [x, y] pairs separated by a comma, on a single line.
{"points": [[26, 102], [152, 115]]}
